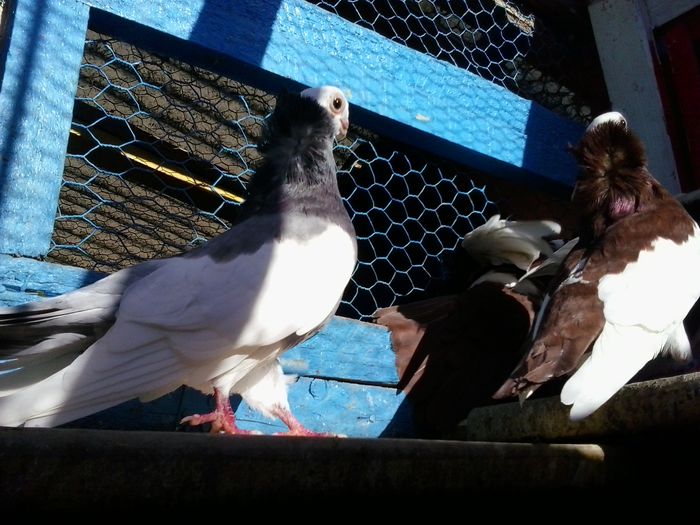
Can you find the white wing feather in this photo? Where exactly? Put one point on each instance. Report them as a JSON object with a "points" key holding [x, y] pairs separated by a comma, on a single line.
{"points": [[500, 241], [658, 289], [644, 307], [618, 354], [230, 304]]}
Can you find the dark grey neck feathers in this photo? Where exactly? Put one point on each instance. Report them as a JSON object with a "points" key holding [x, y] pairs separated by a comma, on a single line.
{"points": [[297, 178], [298, 170]]}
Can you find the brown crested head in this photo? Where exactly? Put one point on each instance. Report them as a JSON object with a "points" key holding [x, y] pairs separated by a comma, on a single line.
{"points": [[613, 180]]}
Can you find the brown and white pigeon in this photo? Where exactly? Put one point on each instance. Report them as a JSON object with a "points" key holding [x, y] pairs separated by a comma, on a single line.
{"points": [[623, 292], [452, 351], [216, 318]]}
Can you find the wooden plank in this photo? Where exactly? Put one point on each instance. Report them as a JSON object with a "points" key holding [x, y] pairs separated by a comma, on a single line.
{"points": [[46, 39], [354, 349], [355, 410], [23, 280], [623, 39], [399, 92], [338, 407], [658, 406]]}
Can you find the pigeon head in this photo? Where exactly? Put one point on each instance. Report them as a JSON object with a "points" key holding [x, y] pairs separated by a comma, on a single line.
{"points": [[613, 181], [334, 101], [610, 116]]}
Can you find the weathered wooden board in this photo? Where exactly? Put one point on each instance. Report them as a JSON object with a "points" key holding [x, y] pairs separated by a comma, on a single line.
{"points": [[23, 279]]}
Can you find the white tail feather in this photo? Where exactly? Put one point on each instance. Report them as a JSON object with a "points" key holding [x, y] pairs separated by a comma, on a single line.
{"points": [[678, 345], [500, 241], [88, 385], [618, 354], [18, 378]]}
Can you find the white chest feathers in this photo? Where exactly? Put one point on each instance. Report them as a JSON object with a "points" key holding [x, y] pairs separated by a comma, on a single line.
{"points": [[209, 308], [306, 278], [657, 290]]}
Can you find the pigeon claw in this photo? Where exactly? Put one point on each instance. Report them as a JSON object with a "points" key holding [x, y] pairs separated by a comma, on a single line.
{"points": [[222, 419], [220, 424]]}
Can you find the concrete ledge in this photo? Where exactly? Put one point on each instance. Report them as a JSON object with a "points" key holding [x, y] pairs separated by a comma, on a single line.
{"points": [[650, 407], [89, 468]]}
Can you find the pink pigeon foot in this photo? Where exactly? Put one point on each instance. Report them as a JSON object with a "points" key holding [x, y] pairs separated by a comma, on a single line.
{"points": [[295, 426], [222, 419]]}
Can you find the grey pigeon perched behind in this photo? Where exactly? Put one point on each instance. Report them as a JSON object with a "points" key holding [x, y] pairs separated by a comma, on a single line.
{"points": [[216, 318]]}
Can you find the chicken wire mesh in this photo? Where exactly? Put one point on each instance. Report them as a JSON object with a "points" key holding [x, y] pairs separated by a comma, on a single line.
{"points": [[160, 153], [501, 41]]}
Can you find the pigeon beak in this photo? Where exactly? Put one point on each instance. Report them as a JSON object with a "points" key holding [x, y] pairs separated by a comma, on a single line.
{"points": [[344, 124]]}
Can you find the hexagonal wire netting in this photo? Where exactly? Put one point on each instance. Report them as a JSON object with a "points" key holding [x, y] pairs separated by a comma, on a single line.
{"points": [[498, 40], [161, 151]]}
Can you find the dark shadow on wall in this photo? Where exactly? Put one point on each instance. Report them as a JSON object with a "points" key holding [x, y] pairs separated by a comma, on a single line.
{"points": [[229, 38]]}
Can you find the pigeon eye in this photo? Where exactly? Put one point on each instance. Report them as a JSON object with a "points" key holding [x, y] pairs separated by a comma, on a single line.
{"points": [[337, 103]]}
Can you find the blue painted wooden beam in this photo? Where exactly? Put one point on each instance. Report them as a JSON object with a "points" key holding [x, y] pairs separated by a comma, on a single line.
{"points": [[346, 349], [23, 280], [321, 405], [352, 409], [395, 91], [46, 39]]}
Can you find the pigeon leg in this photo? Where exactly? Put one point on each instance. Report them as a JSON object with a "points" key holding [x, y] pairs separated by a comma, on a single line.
{"points": [[222, 419], [295, 426]]}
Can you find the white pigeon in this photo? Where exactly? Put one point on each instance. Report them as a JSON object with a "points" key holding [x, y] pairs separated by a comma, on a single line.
{"points": [[216, 318]]}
